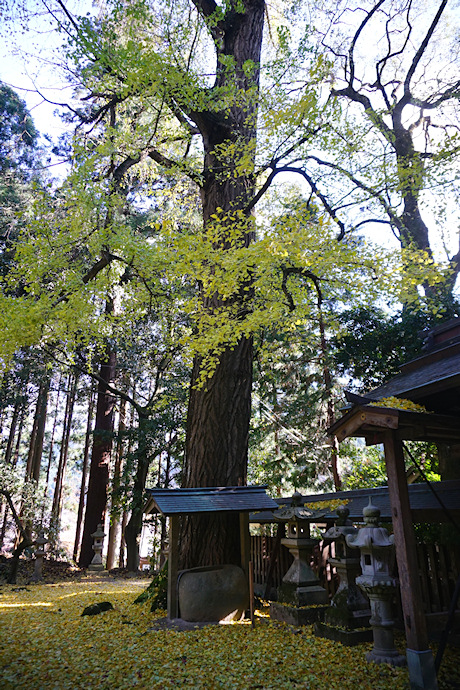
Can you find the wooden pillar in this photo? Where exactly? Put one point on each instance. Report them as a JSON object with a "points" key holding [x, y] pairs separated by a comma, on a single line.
{"points": [[245, 541], [173, 559], [419, 657]]}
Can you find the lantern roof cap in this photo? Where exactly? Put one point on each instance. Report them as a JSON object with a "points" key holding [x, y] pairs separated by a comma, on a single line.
{"points": [[297, 510], [99, 532]]}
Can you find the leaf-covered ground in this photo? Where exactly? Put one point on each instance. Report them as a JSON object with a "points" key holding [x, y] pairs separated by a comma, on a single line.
{"points": [[46, 643]]}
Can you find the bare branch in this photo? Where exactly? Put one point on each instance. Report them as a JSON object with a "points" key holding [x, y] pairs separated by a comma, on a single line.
{"points": [[320, 196], [351, 59], [374, 193], [418, 55]]}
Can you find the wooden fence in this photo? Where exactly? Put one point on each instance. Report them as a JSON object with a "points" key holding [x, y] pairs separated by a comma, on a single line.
{"points": [[439, 568]]}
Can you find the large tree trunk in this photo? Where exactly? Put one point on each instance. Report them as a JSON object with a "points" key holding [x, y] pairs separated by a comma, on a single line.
{"points": [[64, 450], [134, 527], [219, 412], [121, 553], [12, 433], [16, 423], [84, 472], [96, 500], [38, 432], [115, 503]]}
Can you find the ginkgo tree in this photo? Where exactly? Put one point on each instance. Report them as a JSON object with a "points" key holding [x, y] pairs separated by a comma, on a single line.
{"points": [[185, 108], [391, 159]]}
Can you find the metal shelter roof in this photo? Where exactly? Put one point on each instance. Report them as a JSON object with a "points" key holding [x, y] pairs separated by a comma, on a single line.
{"points": [[209, 500], [424, 505]]}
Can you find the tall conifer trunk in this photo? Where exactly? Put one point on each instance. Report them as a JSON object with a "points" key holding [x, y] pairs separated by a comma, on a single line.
{"points": [[133, 529], [115, 504], [64, 450], [38, 432], [84, 472], [96, 500], [219, 412]]}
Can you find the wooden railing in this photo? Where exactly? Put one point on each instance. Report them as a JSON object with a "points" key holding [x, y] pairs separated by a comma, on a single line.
{"points": [[439, 568]]}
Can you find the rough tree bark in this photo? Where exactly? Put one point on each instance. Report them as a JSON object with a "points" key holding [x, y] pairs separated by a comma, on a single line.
{"points": [[133, 529], [219, 412], [96, 500], [38, 432], [115, 503], [64, 450], [84, 472]]}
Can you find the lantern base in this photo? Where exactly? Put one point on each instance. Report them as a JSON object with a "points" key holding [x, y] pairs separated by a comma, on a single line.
{"points": [[386, 656], [296, 615], [349, 638], [311, 595]]}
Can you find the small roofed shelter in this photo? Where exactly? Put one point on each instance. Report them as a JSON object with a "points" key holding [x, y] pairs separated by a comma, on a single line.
{"points": [[433, 380], [174, 503], [391, 427]]}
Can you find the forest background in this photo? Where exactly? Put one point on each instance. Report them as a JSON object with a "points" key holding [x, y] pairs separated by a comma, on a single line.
{"points": [[255, 207]]}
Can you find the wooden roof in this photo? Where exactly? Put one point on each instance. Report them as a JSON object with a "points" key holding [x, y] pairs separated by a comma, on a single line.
{"points": [[370, 422], [433, 378], [208, 500]]}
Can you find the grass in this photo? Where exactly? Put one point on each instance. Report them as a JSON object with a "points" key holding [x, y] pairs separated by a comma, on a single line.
{"points": [[46, 643]]}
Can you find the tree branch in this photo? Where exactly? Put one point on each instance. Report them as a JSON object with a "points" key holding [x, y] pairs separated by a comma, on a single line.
{"points": [[104, 261], [418, 55], [17, 519], [320, 196], [369, 190], [291, 270], [274, 171], [351, 60]]}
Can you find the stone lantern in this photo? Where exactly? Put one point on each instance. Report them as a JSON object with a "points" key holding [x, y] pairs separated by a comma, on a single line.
{"points": [[300, 586], [349, 609], [98, 536], [39, 554], [377, 581]]}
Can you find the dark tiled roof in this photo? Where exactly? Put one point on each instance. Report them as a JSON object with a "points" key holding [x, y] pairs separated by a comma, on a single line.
{"points": [[425, 507], [208, 500], [429, 378]]}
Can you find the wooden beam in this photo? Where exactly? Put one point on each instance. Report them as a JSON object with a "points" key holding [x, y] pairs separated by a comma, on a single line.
{"points": [[173, 560], [366, 417], [245, 542], [406, 554]]}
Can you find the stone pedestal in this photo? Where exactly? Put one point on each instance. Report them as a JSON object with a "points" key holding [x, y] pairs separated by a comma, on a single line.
{"points": [[300, 585], [296, 615]]}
